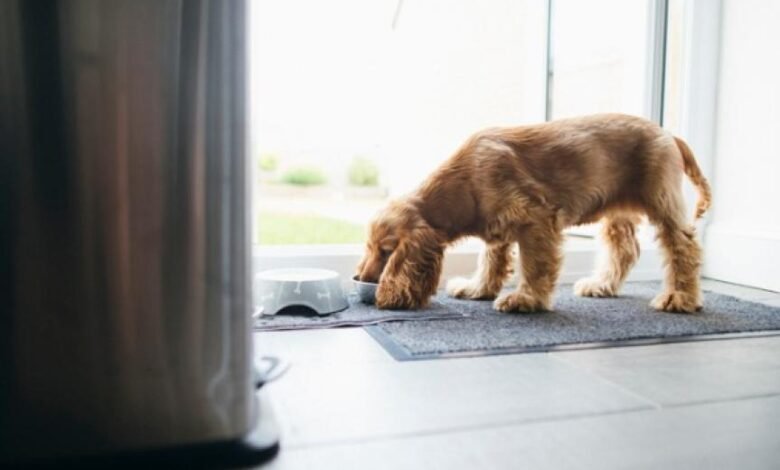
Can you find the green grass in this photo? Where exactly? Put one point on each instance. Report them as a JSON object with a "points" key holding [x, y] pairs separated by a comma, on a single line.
{"points": [[284, 229], [304, 176]]}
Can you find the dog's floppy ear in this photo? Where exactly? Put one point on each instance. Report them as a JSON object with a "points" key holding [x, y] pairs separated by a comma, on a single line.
{"points": [[412, 273]]}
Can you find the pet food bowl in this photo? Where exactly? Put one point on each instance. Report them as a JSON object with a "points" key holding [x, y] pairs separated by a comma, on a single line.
{"points": [[366, 291], [317, 289]]}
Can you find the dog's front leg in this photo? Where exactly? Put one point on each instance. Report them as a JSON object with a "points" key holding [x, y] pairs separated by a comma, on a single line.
{"points": [[540, 263], [493, 268]]}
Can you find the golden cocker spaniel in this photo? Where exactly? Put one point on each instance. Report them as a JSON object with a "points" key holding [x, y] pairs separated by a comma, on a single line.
{"points": [[525, 185]]}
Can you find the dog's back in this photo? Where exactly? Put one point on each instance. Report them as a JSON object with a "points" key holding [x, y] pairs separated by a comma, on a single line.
{"points": [[584, 166]]}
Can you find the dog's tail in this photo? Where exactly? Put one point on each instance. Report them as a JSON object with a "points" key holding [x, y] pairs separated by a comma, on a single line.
{"points": [[693, 171]]}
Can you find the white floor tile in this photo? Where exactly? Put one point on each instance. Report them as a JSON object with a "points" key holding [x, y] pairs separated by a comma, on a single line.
{"points": [[735, 290], [713, 436], [674, 374], [310, 347], [336, 402]]}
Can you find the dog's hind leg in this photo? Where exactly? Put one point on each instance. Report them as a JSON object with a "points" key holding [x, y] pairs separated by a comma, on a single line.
{"points": [[493, 268], [682, 259], [540, 263], [618, 233]]}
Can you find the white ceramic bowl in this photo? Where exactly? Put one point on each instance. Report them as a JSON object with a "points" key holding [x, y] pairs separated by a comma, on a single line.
{"points": [[366, 291], [317, 289]]}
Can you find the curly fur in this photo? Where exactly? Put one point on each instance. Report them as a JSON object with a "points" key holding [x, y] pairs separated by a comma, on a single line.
{"points": [[523, 186], [404, 254]]}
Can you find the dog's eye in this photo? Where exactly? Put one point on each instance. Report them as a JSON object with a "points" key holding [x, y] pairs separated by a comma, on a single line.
{"points": [[385, 252]]}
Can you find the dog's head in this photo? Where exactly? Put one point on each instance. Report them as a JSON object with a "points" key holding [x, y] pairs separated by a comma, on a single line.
{"points": [[404, 255]]}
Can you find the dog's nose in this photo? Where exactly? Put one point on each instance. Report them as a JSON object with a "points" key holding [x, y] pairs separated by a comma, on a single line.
{"points": [[363, 277], [369, 273]]}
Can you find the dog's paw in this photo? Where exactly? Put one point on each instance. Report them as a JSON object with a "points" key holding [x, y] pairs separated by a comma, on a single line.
{"points": [[592, 287], [676, 302], [520, 302], [462, 288]]}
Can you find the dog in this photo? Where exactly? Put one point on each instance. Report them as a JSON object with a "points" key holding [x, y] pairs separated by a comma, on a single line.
{"points": [[524, 185]]}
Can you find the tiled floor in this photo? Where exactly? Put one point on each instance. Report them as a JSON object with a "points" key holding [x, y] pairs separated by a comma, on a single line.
{"points": [[345, 403]]}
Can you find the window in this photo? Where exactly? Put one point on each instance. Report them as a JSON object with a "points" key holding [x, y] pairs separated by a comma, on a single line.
{"points": [[354, 102], [599, 56]]}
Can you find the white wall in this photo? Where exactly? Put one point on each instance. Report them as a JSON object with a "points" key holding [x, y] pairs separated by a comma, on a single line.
{"points": [[743, 236]]}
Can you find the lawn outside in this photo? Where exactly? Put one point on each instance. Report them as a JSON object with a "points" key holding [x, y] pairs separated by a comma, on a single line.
{"points": [[308, 216], [275, 228]]}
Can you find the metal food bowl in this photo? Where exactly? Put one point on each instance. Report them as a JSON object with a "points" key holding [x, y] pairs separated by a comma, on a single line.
{"points": [[317, 289], [366, 291]]}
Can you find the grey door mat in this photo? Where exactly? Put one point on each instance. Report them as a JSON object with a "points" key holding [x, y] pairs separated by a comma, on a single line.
{"points": [[357, 314], [577, 323]]}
